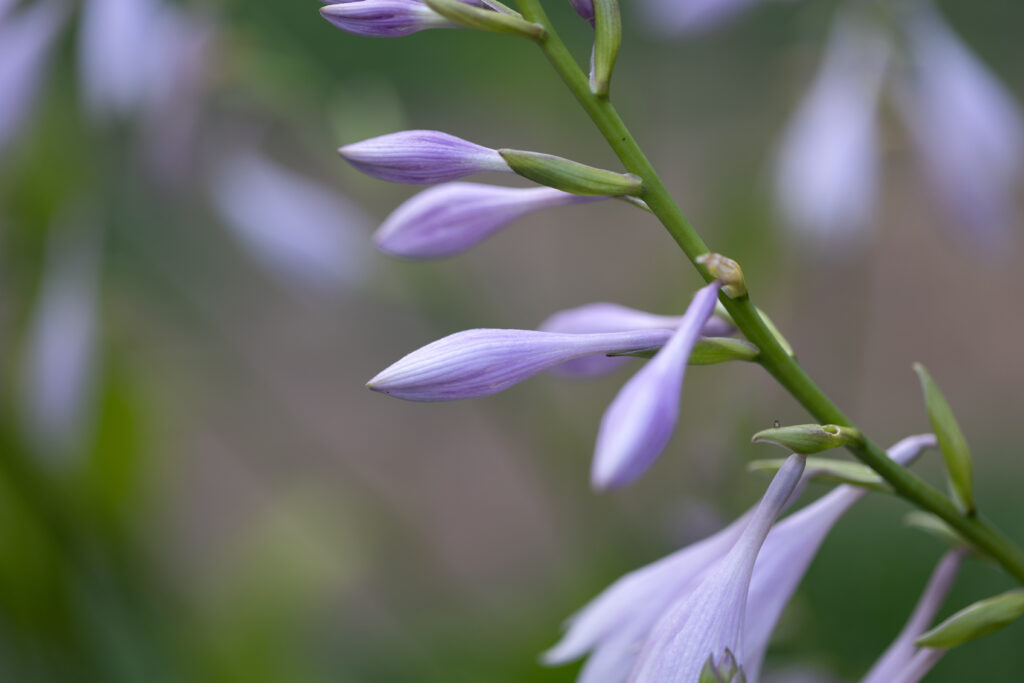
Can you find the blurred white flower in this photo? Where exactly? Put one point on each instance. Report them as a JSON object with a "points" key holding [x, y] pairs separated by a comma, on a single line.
{"points": [[25, 40], [59, 369], [827, 167], [305, 233]]}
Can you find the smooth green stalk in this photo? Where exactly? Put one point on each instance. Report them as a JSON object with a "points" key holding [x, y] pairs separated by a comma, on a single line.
{"points": [[774, 358]]}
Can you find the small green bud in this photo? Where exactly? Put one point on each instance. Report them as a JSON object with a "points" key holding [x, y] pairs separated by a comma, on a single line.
{"points": [[570, 176], [726, 271], [810, 438], [709, 351], [607, 39], [482, 19], [727, 670], [974, 621], [951, 441], [830, 470]]}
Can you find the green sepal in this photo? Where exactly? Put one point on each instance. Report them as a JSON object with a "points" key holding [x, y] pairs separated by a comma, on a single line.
{"points": [[727, 671], [974, 621], [809, 438], [709, 351], [937, 528], [830, 470], [607, 40], [570, 176], [469, 16], [783, 342], [951, 441]]}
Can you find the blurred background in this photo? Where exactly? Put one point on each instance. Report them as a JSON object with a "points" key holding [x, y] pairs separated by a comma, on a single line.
{"points": [[194, 483]]}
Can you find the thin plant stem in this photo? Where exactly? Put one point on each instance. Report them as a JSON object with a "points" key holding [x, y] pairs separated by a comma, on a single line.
{"points": [[783, 367]]}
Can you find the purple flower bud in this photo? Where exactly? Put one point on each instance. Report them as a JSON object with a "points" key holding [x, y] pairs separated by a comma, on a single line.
{"points": [[639, 422], [453, 217], [383, 18], [477, 363], [584, 8], [25, 40], [901, 661], [709, 621], [680, 17], [606, 317], [421, 157]]}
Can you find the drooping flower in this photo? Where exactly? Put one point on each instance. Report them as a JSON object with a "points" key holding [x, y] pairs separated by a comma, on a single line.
{"points": [[25, 40], [966, 127], [827, 167], [421, 157], [383, 18], [640, 420], [451, 218], [903, 661], [482, 362], [706, 626], [614, 626], [607, 317], [303, 232]]}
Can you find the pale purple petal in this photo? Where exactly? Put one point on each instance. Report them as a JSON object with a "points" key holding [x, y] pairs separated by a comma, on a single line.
{"points": [[968, 130], [60, 365], [919, 665], [709, 620], [789, 550], [303, 232], [451, 218], [828, 167], [477, 363], [900, 655], [421, 157], [678, 17], [25, 41], [383, 18], [640, 420], [606, 317]]}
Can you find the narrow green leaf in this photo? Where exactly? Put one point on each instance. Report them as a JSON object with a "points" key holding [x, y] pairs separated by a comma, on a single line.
{"points": [[709, 351], [974, 621], [482, 19], [830, 470], [809, 438], [569, 176], [607, 39], [951, 441]]}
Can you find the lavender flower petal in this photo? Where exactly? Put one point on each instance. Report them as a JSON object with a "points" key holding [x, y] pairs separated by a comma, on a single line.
{"points": [[451, 218], [680, 17], [920, 664], [899, 656], [383, 18], [477, 363], [640, 420], [584, 8], [25, 40], [827, 168], [306, 234], [606, 317], [421, 157], [709, 621], [967, 129]]}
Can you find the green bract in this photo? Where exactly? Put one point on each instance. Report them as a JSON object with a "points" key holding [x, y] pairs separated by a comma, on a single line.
{"points": [[828, 469], [951, 440], [570, 176], [809, 438], [607, 39], [469, 16], [974, 621]]}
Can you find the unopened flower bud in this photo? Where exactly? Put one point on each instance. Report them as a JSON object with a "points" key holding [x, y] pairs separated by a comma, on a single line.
{"points": [[726, 271], [383, 18], [607, 39], [421, 157], [570, 176], [809, 438], [974, 621]]}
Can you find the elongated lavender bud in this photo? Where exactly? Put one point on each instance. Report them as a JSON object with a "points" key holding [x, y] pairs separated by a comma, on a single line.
{"points": [[584, 8], [453, 217], [639, 422], [421, 157], [383, 18], [478, 363]]}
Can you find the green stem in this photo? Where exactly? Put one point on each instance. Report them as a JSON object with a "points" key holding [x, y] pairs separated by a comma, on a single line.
{"points": [[775, 360]]}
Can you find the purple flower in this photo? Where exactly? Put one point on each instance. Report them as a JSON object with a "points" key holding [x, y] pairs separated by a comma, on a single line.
{"points": [[305, 233], [828, 166], [708, 624], [25, 40], [614, 626], [421, 157], [584, 8], [967, 129], [383, 18], [606, 317], [477, 363], [453, 217], [639, 422], [904, 661]]}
